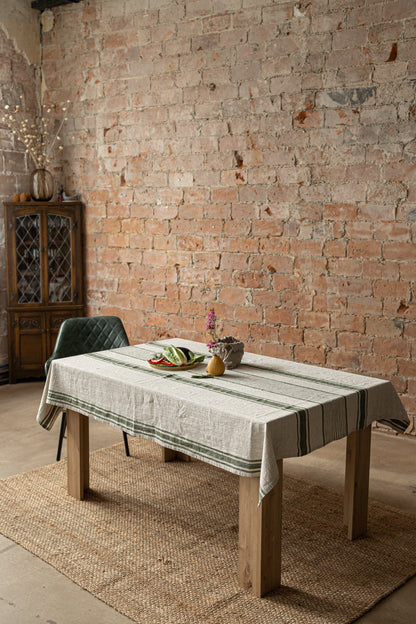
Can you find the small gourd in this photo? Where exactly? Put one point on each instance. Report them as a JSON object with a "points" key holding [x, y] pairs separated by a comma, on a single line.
{"points": [[216, 366]]}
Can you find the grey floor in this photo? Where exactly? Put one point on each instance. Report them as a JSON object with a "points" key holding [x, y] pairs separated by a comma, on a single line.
{"points": [[32, 592]]}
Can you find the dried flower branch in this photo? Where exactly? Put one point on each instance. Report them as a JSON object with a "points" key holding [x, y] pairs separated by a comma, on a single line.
{"points": [[214, 331], [39, 136]]}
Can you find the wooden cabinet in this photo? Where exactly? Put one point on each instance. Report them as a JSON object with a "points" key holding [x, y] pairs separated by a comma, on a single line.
{"points": [[44, 280]]}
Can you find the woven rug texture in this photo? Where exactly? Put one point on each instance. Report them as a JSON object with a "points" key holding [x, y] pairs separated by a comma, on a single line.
{"points": [[159, 542]]}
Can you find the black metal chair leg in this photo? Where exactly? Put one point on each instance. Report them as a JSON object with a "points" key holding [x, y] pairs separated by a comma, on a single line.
{"points": [[126, 444], [61, 435]]}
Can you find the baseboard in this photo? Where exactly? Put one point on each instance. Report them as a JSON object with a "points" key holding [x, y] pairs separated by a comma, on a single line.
{"points": [[4, 374]]}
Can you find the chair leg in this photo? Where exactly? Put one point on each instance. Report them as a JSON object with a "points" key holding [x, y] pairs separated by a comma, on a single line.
{"points": [[126, 444], [61, 435]]}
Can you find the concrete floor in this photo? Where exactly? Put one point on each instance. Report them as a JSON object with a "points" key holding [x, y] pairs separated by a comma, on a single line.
{"points": [[32, 591]]}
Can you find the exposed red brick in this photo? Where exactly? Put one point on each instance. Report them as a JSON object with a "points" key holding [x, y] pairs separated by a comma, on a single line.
{"points": [[286, 202], [339, 358]]}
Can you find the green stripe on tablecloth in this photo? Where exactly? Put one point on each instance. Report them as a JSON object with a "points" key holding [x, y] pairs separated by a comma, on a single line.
{"points": [[303, 432], [361, 393], [335, 384], [303, 429], [193, 382], [362, 411], [331, 388], [289, 373], [325, 382], [303, 436], [203, 451], [247, 380], [323, 423], [398, 425], [302, 414], [51, 416]]}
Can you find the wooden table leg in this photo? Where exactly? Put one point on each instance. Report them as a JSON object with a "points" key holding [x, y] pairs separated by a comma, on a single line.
{"points": [[171, 455], [357, 472], [78, 454], [260, 536]]}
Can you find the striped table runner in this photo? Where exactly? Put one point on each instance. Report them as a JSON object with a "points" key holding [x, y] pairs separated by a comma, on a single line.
{"points": [[264, 410]]}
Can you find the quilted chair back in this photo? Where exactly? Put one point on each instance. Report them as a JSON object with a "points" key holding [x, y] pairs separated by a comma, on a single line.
{"points": [[87, 335]]}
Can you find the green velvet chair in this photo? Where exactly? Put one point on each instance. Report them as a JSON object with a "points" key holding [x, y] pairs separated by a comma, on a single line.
{"points": [[86, 335]]}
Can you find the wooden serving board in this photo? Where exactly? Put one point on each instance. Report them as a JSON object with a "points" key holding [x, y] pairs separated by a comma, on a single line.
{"points": [[174, 368]]}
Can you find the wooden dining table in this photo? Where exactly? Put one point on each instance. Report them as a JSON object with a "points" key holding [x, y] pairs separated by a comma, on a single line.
{"points": [[246, 421]]}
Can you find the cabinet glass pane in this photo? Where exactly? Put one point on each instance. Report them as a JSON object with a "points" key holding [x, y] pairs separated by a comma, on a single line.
{"points": [[28, 259], [59, 258]]}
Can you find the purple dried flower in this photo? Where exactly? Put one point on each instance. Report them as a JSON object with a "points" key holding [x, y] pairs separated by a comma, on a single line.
{"points": [[211, 327]]}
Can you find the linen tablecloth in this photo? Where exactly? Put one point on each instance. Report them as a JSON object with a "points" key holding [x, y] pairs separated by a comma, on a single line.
{"points": [[264, 410]]}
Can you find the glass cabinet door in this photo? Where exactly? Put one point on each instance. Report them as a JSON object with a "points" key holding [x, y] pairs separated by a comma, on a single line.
{"points": [[59, 246], [28, 269]]}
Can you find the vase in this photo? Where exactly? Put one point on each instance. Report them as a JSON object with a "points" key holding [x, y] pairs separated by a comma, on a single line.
{"points": [[41, 185], [231, 351], [216, 366]]}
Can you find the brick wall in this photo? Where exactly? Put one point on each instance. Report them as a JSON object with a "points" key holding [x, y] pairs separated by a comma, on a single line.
{"points": [[254, 156], [17, 78]]}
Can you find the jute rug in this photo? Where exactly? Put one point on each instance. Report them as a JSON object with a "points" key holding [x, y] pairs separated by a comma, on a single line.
{"points": [[158, 542]]}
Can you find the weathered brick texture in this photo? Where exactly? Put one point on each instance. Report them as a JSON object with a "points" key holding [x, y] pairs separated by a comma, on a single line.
{"points": [[254, 156], [251, 156], [17, 78]]}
